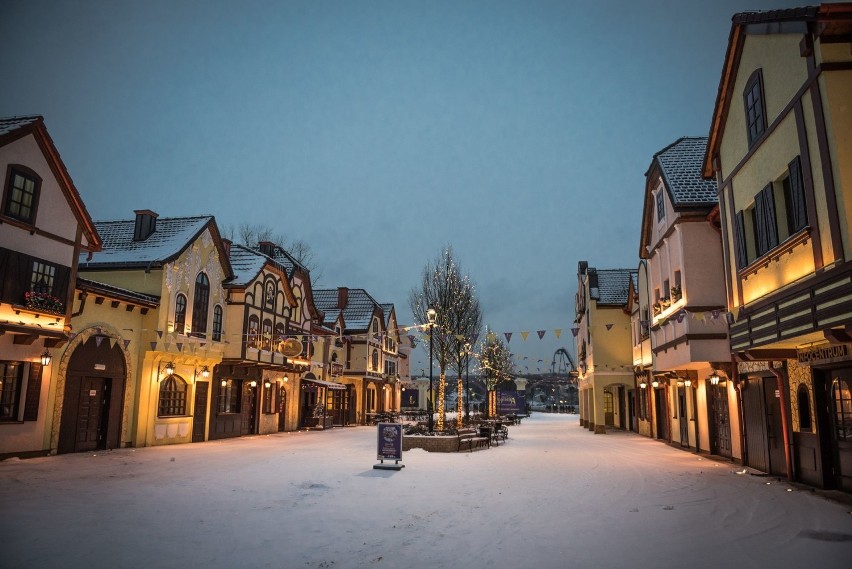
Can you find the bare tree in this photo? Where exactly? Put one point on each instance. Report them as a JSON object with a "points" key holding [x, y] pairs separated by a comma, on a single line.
{"points": [[443, 288], [465, 326], [250, 234]]}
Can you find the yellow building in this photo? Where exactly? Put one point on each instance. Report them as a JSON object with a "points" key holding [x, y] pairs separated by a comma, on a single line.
{"points": [[780, 149], [604, 355], [181, 262]]}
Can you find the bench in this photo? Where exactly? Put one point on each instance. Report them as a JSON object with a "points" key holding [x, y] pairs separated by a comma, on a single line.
{"points": [[499, 432], [470, 438]]}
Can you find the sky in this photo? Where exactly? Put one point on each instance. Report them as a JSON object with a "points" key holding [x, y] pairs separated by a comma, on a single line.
{"points": [[552, 496], [381, 132]]}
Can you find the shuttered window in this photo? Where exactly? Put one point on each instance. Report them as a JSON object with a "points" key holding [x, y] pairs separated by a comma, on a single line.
{"points": [[765, 226], [739, 240], [33, 392], [794, 194]]}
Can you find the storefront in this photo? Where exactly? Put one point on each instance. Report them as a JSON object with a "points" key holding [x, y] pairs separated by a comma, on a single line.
{"points": [[323, 404]]}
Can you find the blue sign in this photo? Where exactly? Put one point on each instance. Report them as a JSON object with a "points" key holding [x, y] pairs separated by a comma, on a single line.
{"points": [[411, 398], [389, 441], [511, 402]]}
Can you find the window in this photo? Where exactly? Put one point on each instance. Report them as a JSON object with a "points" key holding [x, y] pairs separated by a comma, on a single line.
{"points": [[266, 338], [804, 401], [11, 379], [229, 396], [375, 328], [172, 397], [371, 399], [269, 398], [661, 206], [390, 367], [200, 304], [296, 312], [21, 195], [217, 323], [666, 288], [755, 108], [43, 275], [841, 408], [280, 334], [253, 331], [793, 193], [375, 360], [307, 347], [180, 313], [270, 296]]}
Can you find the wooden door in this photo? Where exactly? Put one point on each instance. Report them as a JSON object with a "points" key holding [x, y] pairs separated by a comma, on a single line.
{"points": [[684, 422], [755, 425], [199, 414], [609, 414], [774, 432], [92, 412], [661, 414], [249, 409], [720, 425]]}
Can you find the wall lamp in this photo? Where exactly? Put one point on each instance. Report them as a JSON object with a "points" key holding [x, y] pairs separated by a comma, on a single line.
{"points": [[714, 378], [45, 358], [205, 372], [168, 368]]}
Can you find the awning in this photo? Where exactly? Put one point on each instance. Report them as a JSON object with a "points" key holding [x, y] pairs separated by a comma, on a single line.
{"points": [[326, 384]]}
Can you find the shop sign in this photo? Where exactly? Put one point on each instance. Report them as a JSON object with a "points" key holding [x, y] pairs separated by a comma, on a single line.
{"points": [[389, 441], [825, 354]]}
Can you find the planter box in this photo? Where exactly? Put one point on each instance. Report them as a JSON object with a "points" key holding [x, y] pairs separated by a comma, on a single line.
{"points": [[431, 444]]}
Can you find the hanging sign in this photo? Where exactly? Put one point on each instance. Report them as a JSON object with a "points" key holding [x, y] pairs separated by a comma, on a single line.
{"points": [[389, 445], [291, 347]]}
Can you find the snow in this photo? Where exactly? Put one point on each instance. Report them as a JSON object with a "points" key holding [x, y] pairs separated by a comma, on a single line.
{"points": [[553, 496]]}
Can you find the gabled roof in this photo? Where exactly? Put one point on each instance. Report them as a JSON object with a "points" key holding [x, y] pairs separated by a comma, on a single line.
{"points": [[246, 264], [286, 260], [610, 286], [171, 238], [359, 310], [14, 128], [680, 167], [834, 21]]}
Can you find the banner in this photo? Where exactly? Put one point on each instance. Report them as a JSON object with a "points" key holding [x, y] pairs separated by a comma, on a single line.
{"points": [[410, 398], [511, 402]]}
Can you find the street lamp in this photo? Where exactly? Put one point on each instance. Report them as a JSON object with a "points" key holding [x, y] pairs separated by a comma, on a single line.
{"points": [[431, 314]]}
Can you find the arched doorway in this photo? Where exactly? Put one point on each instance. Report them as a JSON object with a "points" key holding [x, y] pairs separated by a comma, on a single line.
{"points": [[94, 396]]}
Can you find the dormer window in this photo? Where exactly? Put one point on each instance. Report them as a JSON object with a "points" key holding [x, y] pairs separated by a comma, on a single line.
{"points": [[20, 198], [755, 107]]}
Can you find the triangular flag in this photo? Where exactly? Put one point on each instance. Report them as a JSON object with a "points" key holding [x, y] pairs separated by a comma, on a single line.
{"points": [[508, 336], [112, 342], [715, 314], [413, 340], [179, 346], [160, 334], [608, 327], [680, 316], [541, 334], [153, 346], [126, 344], [699, 316], [558, 332], [575, 331], [99, 340], [524, 335]]}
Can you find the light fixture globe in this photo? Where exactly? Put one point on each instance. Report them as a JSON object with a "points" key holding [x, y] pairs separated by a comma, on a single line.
{"points": [[45, 358], [714, 378], [169, 368]]}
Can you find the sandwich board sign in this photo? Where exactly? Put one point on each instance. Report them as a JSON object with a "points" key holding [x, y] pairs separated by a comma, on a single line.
{"points": [[389, 445]]}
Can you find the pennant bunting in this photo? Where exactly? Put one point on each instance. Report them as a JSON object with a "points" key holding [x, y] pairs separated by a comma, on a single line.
{"points": [[508, 336], [160, 334], [575, 331], [558, 332], [126, 344], [609, 327], [524, 335], [541, 334], [153, 346], [179, 346], [112, 342], [715, 314], [99, 340], [680, 316]]}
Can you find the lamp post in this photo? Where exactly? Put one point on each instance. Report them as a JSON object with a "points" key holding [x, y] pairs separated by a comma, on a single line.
{"points": [[431, 314], [467, 348]]}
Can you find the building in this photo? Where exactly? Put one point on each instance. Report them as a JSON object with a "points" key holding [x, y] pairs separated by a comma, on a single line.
{"points": [[173, 268], [44, 227], [780, 149], [604, 356], [681, 250], [639, 306]]}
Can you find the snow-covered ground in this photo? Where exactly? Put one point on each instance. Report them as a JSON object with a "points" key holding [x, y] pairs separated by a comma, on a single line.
{"points": [[553, 496]]}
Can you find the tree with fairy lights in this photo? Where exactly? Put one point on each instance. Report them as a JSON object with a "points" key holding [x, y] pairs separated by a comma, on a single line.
{"points": [[465, 323], [495, 361], [451, 294]]}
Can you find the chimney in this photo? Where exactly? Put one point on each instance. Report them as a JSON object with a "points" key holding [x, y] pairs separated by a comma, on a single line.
{"points": [[267, 248], [146, 224], [342, 297], [226, 245]]}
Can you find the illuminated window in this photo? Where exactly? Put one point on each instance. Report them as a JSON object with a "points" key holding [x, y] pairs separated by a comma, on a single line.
{"points": [[42, 277], [200, 304], [172, 397], [11, 379], [229, 396], [841, 408], [253, 331], [217, 323]]}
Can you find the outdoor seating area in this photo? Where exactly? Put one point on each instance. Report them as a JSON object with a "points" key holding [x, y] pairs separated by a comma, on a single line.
{"points": [[477, 433]]}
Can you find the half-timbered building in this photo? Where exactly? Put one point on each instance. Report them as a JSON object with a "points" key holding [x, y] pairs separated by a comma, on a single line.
{"points": [[44, 227], [780, 149]]}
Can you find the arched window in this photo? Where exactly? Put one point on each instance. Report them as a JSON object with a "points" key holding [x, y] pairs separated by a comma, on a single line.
{"points": [[804, 400], [200, 304], [375, 361], [280, 334], [217, 323], [253, 331], [266, 339], [375, 328], [270, 295], [180, 313], [172, 397], [296, 312]]}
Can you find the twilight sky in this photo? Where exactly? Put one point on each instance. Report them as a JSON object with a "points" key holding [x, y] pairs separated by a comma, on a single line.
{"points": [[380, 132]]}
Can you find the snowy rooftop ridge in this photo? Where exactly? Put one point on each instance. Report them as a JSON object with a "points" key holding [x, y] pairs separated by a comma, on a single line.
{"points": [[610, 286], [680, 166], [171, 237], [11, 124], [358, 312]]}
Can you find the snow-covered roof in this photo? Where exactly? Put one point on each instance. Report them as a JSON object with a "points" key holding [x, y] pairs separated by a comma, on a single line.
{"points": [[680, 166], [171, 237], [118, 293], [358, 312], [286, 260], [246, 264], [610, 286], [11, 124], [387, 309]]}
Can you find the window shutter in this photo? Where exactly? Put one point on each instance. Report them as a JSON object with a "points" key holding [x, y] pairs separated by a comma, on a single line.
{"points": [[739, 240], [769, 217], [33, 393], [797, 195], [760, 223]]}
